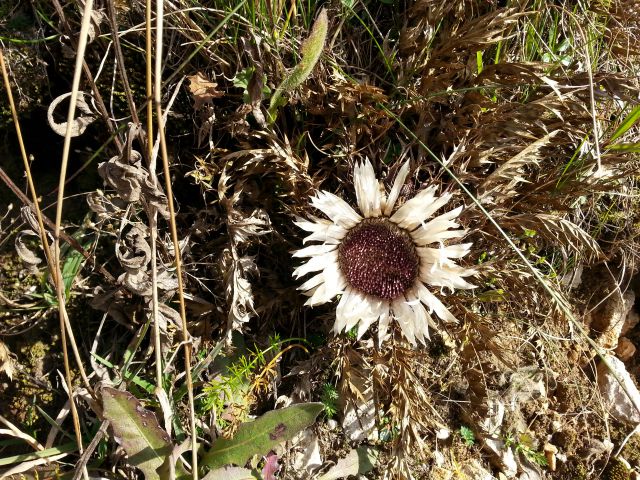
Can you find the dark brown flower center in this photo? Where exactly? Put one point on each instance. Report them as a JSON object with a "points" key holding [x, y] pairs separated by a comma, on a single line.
{"points": [[379, 258]]}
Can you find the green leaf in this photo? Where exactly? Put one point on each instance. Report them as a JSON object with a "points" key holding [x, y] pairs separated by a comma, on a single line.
{"points": [[625, 147], [72, 265], [49, 452], [262, 434], [467, 435], [147, 445], [311, 50], [626, 124]]}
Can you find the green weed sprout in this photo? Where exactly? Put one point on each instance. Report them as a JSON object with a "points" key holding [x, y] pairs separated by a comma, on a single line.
{"points": [[311, 50]]}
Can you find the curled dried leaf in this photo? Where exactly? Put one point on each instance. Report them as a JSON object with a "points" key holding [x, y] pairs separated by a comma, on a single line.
{"points": [[131, 181], [125, 177], [238, 288], [139, 282], [133, 251], [86, 116], [25, 253]]}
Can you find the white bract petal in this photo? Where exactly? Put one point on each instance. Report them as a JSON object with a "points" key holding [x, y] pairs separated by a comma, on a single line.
{"points": [[367, 189], [322, 230], [404, 315], [383, 325], [434, 304], [449, 276], [421, 322], [314, 250], [312, 282], [315, 263], [419, 208], [336, 209], [396, 189]]}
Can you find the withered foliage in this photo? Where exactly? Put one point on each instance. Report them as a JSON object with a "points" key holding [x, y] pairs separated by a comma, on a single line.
{"points": [[515, 101]]}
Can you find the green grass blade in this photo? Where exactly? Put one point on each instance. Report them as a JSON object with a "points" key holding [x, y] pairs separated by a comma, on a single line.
{"points": [[626, 124]]}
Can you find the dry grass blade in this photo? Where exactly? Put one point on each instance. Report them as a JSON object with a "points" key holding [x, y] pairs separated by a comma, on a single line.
{"points": [[65, 327], [559, 232], [507, 175], [174, 236]]}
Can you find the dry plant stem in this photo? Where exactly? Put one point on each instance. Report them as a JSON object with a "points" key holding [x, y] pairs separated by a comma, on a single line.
{"points": [[53, 264], [82, 44], [559, 301], [16, 432], [174, 237], [153, 213], [592, 101], [35, 208], [84, 458], [120, 60]]}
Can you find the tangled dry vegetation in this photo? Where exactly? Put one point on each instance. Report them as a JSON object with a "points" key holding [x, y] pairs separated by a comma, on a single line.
{"points": [[524, 111]]}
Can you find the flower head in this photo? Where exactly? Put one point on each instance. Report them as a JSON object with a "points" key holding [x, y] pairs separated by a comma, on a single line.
{"points": [[382, 259]]}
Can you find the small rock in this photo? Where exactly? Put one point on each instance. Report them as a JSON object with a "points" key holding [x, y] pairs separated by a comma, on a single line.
{"points": [[633, 318], [610, 316], [625, 349], [625, 408]]}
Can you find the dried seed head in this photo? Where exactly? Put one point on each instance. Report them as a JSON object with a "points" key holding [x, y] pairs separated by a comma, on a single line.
{"points": [[379, 258]]}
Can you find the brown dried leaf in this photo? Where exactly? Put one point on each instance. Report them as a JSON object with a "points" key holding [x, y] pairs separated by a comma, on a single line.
{"points": [[509, 174], [7, 364], [203, 90], [237, 288], [559, 232]]}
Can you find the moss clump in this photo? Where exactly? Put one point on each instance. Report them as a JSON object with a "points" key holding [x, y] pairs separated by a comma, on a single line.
{"points": [[616, 470]]}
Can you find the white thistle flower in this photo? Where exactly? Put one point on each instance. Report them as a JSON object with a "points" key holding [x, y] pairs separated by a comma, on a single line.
{"points": [[382, 261]]}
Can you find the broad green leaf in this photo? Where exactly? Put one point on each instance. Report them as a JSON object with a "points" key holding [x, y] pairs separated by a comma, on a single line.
{"points": [[311, 50], [262, 434], [626, 124], [147, 445]]}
